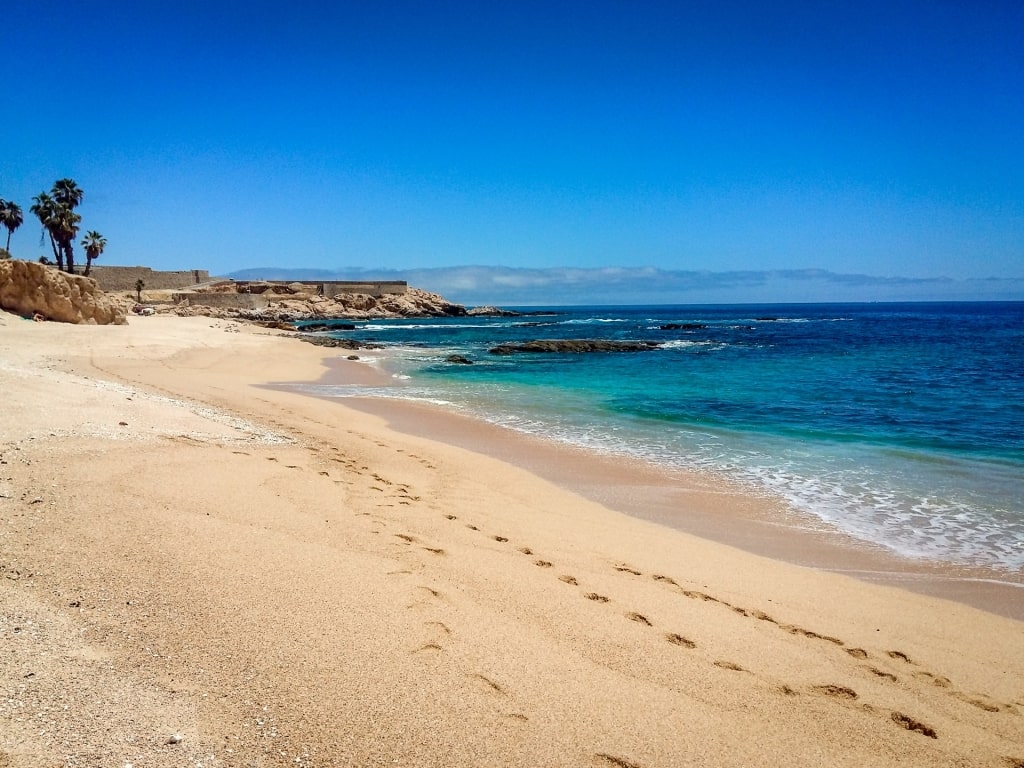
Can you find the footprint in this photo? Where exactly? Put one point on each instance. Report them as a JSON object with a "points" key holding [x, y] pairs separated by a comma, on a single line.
{"points": [[813, 635], [428, 647], [598, 598], [440, 625], [638, 618], [730, 666], [472, 527], [837, 691], [433, 592], [677, 639], [627, 569], [979, 703], [542, 563], [406, 537], [899, 655], [619, 762], [435, 550], [885, 675], [941, 682], [502, 539], [451, 517], [569, 580], [913, 725], [526, 550], [857, 653], [488, 682], [666, 579]]}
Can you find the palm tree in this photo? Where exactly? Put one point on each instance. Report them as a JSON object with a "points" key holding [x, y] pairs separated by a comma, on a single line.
{"points": [[94, 243], [139, 285], [66, 192], [11, 217], [68, 196], [66, 230], [56, 212], [45, 209]]}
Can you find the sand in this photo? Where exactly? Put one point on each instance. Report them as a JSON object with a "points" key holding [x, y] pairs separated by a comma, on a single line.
{"points": [[199, 569]]}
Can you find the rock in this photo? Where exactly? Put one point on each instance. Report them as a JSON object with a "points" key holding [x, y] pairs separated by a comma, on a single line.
{"points": [[458, 360], [574, 346], [330, 341], [325, 327], [489, 311], [682, 326], [29, 288]]}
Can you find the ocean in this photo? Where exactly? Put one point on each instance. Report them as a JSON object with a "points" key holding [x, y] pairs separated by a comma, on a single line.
{"points": [[901, 425]]}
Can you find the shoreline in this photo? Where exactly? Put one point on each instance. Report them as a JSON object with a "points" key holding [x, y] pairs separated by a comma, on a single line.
{"points": [[694, 502], [198, 567]]}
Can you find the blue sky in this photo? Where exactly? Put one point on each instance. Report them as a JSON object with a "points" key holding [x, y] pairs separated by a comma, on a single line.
{"points": [[861, 152]]}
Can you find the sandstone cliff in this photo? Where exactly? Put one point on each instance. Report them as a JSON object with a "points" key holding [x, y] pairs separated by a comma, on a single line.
{"points": [[32, 290]]}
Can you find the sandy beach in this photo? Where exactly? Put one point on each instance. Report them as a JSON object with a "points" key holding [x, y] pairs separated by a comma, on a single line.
{"points": [[198, 568]]}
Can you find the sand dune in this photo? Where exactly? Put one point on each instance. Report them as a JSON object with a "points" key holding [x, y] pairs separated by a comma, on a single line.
{"points": [[195, 569]]}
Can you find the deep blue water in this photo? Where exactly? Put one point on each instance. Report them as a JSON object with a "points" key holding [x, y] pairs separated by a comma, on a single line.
{"points": [[901, 424]]}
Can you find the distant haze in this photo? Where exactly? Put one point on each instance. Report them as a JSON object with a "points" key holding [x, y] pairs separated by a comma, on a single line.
{"points": [[475, 285]]}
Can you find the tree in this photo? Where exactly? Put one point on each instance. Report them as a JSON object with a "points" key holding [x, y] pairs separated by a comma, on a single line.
{"points": [[94, 243], [45, 209], [56, 212], [68, 196], [139, 285], [11, 217]]}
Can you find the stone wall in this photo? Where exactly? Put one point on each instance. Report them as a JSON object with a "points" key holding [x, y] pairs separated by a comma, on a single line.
{"points": [[123, 278]]}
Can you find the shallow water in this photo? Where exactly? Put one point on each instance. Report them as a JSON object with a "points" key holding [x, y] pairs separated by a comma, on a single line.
{"points": [[899, 424]]}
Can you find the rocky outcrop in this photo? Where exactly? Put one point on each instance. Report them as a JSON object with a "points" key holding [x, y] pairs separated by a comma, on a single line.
{"points": [[32, 290], [331, 341], [491, 311], [415, 302], [575, 346]]}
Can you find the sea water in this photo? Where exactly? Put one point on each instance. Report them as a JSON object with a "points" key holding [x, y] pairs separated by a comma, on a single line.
{"points": [[899, 424]]}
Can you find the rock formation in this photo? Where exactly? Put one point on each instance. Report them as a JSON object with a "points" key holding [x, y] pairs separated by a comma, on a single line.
{"points": [[357, 306], [32, 290]]}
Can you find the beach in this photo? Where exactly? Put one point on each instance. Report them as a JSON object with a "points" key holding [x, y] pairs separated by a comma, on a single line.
{"points": [[201, 565]]}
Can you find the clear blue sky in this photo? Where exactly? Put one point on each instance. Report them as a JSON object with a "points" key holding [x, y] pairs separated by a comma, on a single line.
{"points": [[883, 139]]}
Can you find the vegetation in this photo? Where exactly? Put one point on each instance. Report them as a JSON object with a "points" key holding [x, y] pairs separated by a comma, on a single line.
{"points": [[56, 212], [139, 285], [12, 218], [94, 243]]}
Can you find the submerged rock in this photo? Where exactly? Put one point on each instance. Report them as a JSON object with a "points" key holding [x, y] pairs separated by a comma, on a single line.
{"points": [[458, 360], [574, 346], [330, 341]]}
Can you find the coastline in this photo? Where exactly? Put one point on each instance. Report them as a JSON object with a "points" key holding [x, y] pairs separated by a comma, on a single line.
{"points": [[694, 502], [201, 567]]}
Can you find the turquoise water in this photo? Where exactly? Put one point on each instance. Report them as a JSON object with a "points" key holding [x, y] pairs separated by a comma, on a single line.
{"points": [[900, 424]]}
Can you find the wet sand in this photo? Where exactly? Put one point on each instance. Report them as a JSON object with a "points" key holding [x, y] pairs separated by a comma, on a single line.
{"points": [[698, 503]]}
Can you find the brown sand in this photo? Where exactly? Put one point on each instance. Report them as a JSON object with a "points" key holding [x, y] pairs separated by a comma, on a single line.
{"points": [[197, 569]]}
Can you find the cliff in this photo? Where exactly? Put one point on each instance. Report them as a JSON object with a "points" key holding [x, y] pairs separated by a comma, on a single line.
{"points": [[32, 290]]}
